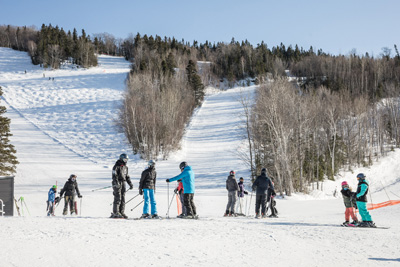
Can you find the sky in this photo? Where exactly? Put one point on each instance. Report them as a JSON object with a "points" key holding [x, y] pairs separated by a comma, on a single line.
{"points": [[336, 27]]}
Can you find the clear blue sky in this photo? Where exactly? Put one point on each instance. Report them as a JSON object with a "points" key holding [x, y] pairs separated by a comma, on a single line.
{"points": [[334, 26]]}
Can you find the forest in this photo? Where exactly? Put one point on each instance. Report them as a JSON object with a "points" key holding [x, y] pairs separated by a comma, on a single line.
{"points": [[337, 112]]}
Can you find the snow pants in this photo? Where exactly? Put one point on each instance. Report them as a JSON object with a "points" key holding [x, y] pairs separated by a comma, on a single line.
{"points": [[261, 201], [184, 212], [362, 208], [149, 199], [239, 205], [350, 213], [70, 201], [50, 208], [232, 198], [189, 204], [119, 199]]}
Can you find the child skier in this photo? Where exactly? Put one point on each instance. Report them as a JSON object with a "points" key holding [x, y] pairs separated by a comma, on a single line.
{"points": [[52, 200], [349, 203], [179, 190], [241, 194], [361, 195], [271, 200]]}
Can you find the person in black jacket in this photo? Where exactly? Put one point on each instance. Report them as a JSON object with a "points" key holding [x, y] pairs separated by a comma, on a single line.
{"points": [[147, 187], [233, 188], [119, 177], [71, 190], [262, 184]]}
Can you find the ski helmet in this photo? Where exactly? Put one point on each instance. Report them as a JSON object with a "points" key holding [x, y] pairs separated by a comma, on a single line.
{"points": [[183, 165], [344, 183], [54, 188], [264, 170], [151, 163], [124, 157], [72, 177], [232, 173], [361, 176]]}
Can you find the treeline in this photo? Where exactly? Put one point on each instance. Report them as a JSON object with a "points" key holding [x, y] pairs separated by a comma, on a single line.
{"points": [[163, 88], [304, 136], [51, 46]]}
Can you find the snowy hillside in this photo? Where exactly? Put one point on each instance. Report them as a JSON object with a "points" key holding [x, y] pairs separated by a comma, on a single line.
{"points": [[65, 126]]}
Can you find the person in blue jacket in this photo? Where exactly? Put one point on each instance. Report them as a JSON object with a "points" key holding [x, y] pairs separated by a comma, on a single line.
{"points": [[52, 200], [187, 176], [361, 197]]}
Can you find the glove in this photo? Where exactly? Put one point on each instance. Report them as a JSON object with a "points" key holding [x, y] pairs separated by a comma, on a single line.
{"points": [[130, 186], [246, 193], [117, 186], [140, 191], [79, 196], [167, 180], [57, 200], [176, 191]]}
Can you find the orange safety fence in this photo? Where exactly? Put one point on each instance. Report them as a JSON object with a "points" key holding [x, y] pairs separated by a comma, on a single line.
{"points": [[383, 204]]}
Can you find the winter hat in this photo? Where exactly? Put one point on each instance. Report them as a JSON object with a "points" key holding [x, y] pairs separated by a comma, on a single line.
{"points": [[232, 173], [344, 183], [264, 170], [72, 177], [241, 179]]}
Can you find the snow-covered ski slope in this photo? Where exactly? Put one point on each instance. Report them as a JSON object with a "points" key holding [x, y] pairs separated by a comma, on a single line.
{"points": [[65, 126]]}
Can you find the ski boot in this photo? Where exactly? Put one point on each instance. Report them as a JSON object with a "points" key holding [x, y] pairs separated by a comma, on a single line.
{"points": [[263, 215], [355, 222], [188, 217], [257, 216], [273, 216], [371, 224], [145, 216], [155, 216], [116, 215], [124, 216], [181, 216], [346, 223]]}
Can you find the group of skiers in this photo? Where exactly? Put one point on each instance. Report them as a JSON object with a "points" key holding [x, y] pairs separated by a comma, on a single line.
{"points": [[263, 186], [357, 200]]}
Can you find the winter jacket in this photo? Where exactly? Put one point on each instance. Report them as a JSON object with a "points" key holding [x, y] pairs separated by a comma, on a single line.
{"points": [[362, 190], [52, 195], [348, 198], [187, 177], [70, 188], [148, 179], [231, 184], [120, 174], [262, 184], [241, 191], [179, 189]]}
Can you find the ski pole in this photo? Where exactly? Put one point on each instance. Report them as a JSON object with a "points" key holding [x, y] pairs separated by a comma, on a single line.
{"points": [[137, 205], [385, 190], [394, 194], [245, 207], [101, 188], [80, 207], [172, 198], [132, 198], [168, 199]]}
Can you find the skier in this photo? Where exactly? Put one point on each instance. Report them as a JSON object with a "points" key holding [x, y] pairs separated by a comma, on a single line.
{"points": [[241, 194], [233, 188], [349, 203], [262, 184], [147, 187], [52, 200], [271, 200], [361, 196], [187, 176], [71, 190], [179, 190], [119, 177]]}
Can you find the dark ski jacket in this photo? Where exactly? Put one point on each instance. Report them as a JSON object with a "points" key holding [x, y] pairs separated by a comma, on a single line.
{"points": [[148, 179], [231, 184], [70, 188], [262, 184], [120, 174], [362, 190], [348, 198], [241, 189]]}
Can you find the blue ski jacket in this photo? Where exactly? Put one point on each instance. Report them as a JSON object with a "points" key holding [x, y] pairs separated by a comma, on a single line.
{"points": [[187, 177], [52, 195]]}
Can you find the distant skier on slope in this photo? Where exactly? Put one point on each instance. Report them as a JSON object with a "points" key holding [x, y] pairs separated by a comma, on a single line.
{"points": [[349, 203], [119, 177], [361, 195], [147, 188], [52, 200], [187, 176], [71, 190], [233, 188], [262, 184], [241, 194]]}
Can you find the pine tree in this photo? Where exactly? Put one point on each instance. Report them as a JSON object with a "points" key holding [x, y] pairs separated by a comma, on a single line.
{"points": [[194, 81], [8, 160]]}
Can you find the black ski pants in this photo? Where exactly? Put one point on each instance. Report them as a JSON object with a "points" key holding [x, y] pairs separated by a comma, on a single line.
{"points": [[119, 199], [261, 200], [189, 204]]}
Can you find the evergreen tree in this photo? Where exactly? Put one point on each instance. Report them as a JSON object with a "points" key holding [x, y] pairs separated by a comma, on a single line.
{"points": [[194, 82], [8, 160]]}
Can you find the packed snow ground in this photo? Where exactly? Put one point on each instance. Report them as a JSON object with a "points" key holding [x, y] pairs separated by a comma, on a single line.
{"points": [[65, 126]]}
